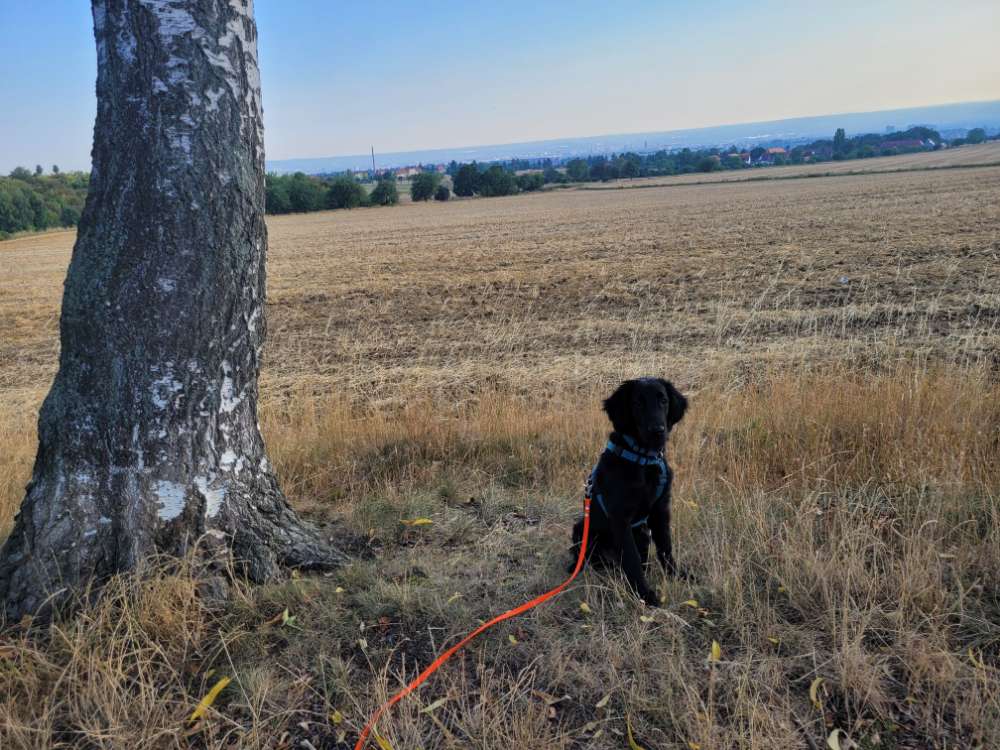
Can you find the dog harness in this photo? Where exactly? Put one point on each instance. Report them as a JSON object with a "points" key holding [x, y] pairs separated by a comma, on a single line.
{"points": [[635, 455]]}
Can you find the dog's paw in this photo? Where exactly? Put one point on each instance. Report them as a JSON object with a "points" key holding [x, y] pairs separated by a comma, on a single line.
{"points": [[651, 598]]}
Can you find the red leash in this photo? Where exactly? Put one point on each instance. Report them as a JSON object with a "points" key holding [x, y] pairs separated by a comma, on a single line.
{"points": [[482, 628]]}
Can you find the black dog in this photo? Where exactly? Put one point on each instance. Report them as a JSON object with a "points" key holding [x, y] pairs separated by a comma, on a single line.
{"points": [[630, 486]]}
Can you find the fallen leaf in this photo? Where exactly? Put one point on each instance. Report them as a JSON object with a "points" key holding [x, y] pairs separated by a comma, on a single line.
{"points": [[336, 717], [631, 740], [339, 590], [645, 618], [814, 692], [382, 741], [206, 703], [977, 663], [434, 706], [694, 746], [603, 701], [693, 603], [512, 639], [585, 608], [833, 741], [716, 653], [782, 589], [416, 521], [363, 643], [775, 641], [454, 597], [288, 620]]}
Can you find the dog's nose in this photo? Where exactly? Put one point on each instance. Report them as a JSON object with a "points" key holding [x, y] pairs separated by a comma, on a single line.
{"points": [[659, 431]]}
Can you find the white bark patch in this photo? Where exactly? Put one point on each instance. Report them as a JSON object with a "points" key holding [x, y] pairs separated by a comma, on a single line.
{"points": [[172, 19], [214, 497], [171, 497], [228, 398], [166, 285]]}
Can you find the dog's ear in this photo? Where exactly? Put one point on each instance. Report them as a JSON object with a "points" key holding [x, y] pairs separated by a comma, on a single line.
{"points": [[619, 408], [678, 404]]}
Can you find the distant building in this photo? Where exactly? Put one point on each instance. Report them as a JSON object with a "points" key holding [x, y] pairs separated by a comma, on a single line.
{"points": [[405, 173]]}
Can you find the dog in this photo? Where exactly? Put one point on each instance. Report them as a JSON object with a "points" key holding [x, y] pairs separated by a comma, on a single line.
{"points": [[630, 485]]}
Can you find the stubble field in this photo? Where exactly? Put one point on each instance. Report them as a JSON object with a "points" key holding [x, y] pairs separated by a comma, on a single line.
{"points": [[836, 492]]}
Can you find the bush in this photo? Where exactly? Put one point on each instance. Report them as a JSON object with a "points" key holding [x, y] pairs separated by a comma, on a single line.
{"points": [[385, 193], [442, 193], [423, 186], [345, 192], [530, 182]]}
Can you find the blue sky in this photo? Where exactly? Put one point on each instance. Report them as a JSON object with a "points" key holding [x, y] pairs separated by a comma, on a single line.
{"points": [[339, 76]]}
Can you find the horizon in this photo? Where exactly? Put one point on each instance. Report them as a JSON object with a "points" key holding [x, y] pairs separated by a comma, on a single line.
{"points": [[656, 68]]}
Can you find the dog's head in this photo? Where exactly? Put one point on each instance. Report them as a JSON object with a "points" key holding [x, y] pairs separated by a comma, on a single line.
{"points": [[646, 409]]}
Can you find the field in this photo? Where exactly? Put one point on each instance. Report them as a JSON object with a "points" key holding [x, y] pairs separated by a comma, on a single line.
{"points": [[836, 493]]}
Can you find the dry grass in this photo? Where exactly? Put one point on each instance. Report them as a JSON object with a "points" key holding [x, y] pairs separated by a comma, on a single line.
{"points": [[836, 493]]}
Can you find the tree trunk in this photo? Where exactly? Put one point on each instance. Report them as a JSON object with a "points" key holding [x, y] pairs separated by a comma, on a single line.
{"points": [[148, 440]]}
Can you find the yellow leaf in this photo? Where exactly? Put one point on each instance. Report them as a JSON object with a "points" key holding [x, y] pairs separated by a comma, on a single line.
{"points": [[512, 639], [382, 741], [694, 746], [454, 597], [716, 653], [603, 701], [782, 589], [775, 641], [585, 608], [645, 618], [977, 663], [363, 643], [631, 740], [209, 699], [336, 717], [693, 603], [814, 692], [416, 522], [434, 706], [833, 741], [339, 590]]}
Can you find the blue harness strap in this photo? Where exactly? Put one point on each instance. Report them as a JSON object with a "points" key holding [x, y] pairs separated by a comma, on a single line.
{"points": [[636, 455]]}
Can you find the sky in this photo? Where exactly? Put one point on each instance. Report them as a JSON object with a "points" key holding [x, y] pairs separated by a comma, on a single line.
{"points": [[339, 76]]}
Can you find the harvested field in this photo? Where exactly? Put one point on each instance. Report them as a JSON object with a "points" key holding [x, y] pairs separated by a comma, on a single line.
{"points": [[836, 494]]}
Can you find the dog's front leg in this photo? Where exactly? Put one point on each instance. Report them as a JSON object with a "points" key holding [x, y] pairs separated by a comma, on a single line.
{"points": [[631, 562], [659, 524]]}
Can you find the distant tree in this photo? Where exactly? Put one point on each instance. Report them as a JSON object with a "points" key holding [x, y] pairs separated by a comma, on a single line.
{"points": [[757, 152], [466, 180], [384, 193], [55, 169], [306, 193], [276, 196], [497, 181], [20, 173], [577, 170], [38, 170], [709, 163], [976, 135], [530, 182], [423, 186], [345, 192], [551, 174], [839, 142], [452, 169], [442, 193]]}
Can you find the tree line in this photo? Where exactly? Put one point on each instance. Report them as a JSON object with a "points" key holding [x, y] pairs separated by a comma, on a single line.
{"points": [[34, 201]]}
